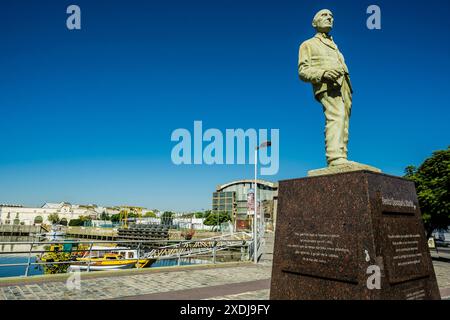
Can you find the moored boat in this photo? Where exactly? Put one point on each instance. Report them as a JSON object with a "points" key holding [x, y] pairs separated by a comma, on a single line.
{"points": [[107, 258]]}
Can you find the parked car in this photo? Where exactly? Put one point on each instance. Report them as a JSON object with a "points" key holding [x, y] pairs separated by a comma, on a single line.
{"points": [[439, 244], [442, 237]]}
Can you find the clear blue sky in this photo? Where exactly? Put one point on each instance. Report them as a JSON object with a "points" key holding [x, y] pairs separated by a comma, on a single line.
{"points": [[86, 116]]}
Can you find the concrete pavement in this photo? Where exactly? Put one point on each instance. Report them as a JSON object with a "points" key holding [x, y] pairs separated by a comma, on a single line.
{"points": [[184, 282], [236, 281]]}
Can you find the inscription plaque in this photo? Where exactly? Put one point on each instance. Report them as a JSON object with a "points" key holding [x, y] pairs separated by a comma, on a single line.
{"points": [[324, 255], [402, 250]]}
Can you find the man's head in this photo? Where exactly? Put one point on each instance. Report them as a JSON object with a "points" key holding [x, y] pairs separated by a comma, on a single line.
{"points": [[323, 21]]}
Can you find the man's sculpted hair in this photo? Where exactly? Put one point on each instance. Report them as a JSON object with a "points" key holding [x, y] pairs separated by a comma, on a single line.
{"points": [[317, 16]]}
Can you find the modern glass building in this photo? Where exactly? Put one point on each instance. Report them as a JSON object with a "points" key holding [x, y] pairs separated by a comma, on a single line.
{"points": [[224, 202], [232, 199]]}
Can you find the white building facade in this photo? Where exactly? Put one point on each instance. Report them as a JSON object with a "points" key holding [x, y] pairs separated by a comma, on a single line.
{"points": [[15, 214]]}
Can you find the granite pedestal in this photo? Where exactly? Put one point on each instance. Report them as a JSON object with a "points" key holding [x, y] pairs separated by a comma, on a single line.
{"points": [[355, 235]]}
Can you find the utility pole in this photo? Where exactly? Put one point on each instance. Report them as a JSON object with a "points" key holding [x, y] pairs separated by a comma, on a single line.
{"points": [[255, 218]]}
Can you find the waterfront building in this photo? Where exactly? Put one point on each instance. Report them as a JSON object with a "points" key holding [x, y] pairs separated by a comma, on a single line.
{"points": [[231, 198], [18, 214]]}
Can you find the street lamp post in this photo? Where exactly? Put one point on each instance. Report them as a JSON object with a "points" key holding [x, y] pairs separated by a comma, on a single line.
{"points": [[255, 188], [255, 219]]}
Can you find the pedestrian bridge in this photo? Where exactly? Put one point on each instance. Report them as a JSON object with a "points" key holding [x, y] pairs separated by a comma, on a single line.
{"points": [[234, 241]]}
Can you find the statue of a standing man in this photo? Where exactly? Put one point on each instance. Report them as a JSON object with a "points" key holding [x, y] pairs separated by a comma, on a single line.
{"points": [[322, 64]]}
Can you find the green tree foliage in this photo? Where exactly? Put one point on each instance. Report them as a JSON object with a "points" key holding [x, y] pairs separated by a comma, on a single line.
{"points": [[75, 223], [167, 217], [132, 215], [55, 255], [432, 181], [150, 214], [105, 216], [198, 214], [216, 219], [115, 217], [80, 221], [38, 219], [202, 214], [53, 218]]}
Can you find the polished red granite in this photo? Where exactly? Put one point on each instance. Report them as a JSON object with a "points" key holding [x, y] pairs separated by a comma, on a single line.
{"points": [[355, 235]]}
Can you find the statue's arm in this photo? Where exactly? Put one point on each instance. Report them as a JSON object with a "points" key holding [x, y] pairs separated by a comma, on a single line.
{"points": [[306, 72]]}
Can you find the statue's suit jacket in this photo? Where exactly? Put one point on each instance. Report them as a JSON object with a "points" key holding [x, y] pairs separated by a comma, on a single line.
{"points": [[317, 55]]}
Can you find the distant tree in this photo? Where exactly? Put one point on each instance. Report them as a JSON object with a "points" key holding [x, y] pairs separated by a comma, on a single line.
{"points": [[38, 220], [63, 221], [214, 218], [115, 217], [76, 222], [150, 214], [105, 216], [432, 181], [53, 218], [198, 214], [167, 217], [202, 214], [81, 221]]}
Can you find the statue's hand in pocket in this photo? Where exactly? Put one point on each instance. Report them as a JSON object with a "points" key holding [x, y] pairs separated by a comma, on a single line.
{"points": [[331, 75]]}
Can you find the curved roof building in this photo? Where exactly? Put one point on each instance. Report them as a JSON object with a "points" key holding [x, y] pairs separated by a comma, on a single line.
{"points": [[231, 198]]}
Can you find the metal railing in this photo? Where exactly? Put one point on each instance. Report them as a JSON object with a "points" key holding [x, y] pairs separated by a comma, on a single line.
{"points": [[211, 249]]}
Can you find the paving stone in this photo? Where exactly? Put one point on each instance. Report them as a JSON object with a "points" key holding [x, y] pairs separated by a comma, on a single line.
{"points": [[252, 295]]}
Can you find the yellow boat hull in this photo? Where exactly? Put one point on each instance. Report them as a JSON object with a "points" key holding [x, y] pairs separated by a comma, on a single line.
{"points": [[120, 264]]}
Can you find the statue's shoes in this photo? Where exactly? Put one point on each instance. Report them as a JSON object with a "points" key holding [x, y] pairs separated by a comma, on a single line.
{"points": [[339, 161], [342, 165]]}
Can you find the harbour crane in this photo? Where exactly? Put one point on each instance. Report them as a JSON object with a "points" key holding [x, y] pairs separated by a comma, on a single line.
{"points": [[125, 211]]}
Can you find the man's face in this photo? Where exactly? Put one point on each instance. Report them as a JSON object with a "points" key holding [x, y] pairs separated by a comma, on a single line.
{"points": [[324, 21]]}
